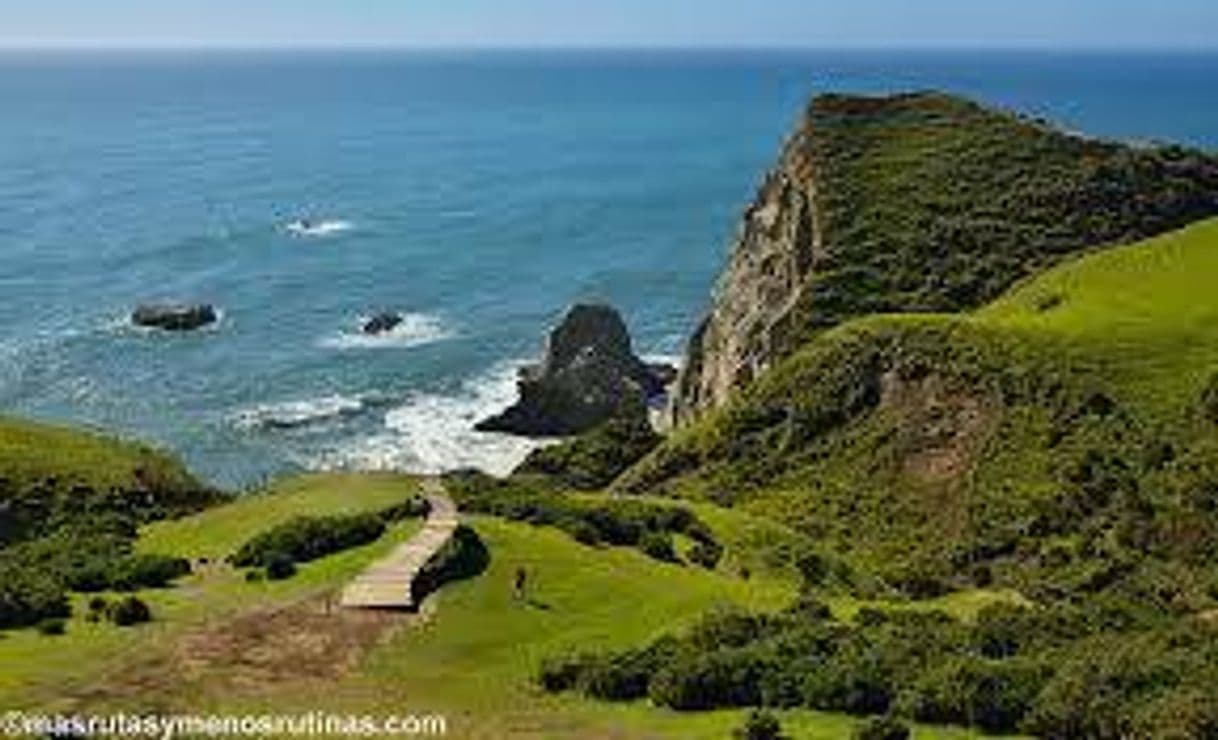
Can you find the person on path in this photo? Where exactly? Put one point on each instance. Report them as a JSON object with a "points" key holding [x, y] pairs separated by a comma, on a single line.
{"points": [[520, 584]]}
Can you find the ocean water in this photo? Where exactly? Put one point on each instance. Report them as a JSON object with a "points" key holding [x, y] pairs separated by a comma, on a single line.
{"points": [[479, 193]]}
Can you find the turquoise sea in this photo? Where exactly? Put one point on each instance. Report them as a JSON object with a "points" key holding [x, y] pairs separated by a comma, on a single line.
{"points": [[477, 192]]}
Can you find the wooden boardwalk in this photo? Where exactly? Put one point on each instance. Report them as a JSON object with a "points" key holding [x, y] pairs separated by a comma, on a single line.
{"points": [[386, 584]]}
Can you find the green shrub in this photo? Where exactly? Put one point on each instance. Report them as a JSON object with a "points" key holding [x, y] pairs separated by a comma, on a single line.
{"points": [[307, 538], [147, 571], [882, 728], [706, 554], [28, 597], [463, 557], [562, 673], [51, 627], [415, 507], [624, 523], [593, 460], [759, 725], [658, 546], [129, 611], [279, 567]]}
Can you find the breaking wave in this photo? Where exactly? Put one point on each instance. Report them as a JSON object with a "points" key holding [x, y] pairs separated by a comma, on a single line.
{"points": [[433, 433], [416, 330]]}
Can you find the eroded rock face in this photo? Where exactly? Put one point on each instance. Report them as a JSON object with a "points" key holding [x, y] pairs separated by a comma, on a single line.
{"points": [[589, 374], [174, 316], [905, 204]]}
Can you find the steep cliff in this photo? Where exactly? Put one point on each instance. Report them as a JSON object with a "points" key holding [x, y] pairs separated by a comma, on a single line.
{"points": [[920, 203]]}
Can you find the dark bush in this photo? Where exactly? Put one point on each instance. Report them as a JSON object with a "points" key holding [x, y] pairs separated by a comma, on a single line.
{"points": [[882, 728], [624, 523], [308, 538], [562, 673], [129, 611], [723, 678], [813, 570], [51, 627], [462, 557], [415, 507], [759, 725], [279, 567], [28, 597], [658, 546], [147, 571], [992, 695], [595, 458], [706, 554]]}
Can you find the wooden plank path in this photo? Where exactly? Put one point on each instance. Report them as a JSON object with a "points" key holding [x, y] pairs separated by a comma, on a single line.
{"points": [[386, 584]]}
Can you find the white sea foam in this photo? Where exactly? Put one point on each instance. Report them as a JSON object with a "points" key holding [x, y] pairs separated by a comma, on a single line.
{"points": [[293, 414], [416, 330], [317, 229], [432, 433]]}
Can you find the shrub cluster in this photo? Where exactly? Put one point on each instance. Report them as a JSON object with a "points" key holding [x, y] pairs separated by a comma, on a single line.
{"points": [[594, 459], [1062, 671], [462, 557], [125, 612], [619, 522], [36, 575], [303, 539]]}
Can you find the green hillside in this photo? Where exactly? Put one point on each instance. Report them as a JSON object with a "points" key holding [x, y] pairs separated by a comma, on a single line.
{"points": [[51, 474], [929, 202], [921, 203], [1061, 443], [219, 643]]}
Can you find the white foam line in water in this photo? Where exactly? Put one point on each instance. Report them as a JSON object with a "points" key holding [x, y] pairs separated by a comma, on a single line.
{"points": [[293, 414], [416, 330], [317, 229], [433, 433]]}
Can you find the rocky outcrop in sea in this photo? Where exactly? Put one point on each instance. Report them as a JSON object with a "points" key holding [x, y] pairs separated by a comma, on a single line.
{"points": [[174, 316], [589, 374]]}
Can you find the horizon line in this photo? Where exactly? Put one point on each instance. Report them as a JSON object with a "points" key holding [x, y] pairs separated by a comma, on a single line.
{"points": [[169, 45]]}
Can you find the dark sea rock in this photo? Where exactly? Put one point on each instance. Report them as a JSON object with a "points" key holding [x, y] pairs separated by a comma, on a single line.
{"points": [[382, 323], [174, 316], [589, 375]]}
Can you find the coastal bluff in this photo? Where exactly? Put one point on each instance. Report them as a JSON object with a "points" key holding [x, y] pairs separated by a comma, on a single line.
{"points": [[922, 202]]}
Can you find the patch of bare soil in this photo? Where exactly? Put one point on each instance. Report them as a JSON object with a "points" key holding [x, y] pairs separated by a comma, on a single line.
{"points": [[258, 652], [942, 428]]}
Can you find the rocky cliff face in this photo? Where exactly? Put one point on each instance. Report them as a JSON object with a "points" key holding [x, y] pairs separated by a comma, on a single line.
{"points": [[920, 203], [767, 272]]}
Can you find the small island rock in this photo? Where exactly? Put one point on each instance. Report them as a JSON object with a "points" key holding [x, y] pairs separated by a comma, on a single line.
{"points": [[174, 316]]}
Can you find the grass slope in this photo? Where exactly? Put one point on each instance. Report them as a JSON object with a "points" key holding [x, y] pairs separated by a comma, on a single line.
{"points": [[40, 670], [32, 452], [473, 659], [1057, 420]]}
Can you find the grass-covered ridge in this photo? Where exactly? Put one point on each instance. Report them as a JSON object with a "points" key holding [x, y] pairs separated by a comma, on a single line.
{"points": [[928, 202], [922, 203], [1045, 428]]}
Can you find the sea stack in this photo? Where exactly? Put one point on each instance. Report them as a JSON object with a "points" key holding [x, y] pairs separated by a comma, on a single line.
{"points": [[174, 316], [589, 374]]}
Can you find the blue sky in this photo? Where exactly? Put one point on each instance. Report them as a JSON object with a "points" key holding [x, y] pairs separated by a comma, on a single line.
{"points": [[789, 23]]}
